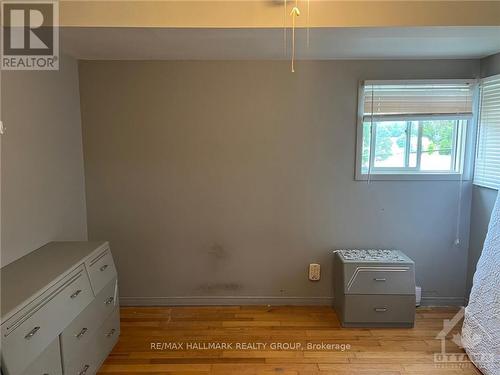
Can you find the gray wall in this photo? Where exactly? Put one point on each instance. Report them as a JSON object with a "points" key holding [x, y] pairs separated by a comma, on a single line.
{"points": [[490, 65], [43, 195], [483, 199], [215, 180]]}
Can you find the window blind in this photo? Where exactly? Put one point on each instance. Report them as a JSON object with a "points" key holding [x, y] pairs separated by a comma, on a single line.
{"points": [[487, 170], [417, 98]]}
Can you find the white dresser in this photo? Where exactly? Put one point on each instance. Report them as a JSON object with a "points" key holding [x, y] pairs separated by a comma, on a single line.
{"points": [[59, 310]]}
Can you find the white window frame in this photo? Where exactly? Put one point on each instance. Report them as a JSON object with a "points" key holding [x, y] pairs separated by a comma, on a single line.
{"points": [[465, 161]]}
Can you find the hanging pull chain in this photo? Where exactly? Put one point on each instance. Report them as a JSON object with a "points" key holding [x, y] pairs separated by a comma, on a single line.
{"points": [[285, 14], [460, 182], [372, 133], [308, 22], [294, 13]]}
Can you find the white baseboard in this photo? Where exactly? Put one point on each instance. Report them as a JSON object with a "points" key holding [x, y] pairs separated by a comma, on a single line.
{"points": [[261, 300], [224, 301]]}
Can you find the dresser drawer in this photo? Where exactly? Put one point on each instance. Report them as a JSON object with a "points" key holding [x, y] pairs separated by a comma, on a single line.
{"points": [[380, 280], [108, 335], [101, 270], [93, 354], [48, 363], [80, 332], [28, 333], [86, 363], [395, 310]]}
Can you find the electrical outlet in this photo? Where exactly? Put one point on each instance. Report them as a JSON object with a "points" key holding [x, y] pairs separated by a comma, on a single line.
{"points": [[314, 272]]}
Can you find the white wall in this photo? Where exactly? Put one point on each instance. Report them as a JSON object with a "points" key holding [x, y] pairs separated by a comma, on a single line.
{"points": [[217, 181], [42, 180]]}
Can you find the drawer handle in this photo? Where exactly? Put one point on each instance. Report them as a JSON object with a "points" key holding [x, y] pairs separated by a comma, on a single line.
{"points": [[32, 333], [74, 295], [380, 279], [111, 333], [109, 300], [103, 268], [380, 309], [81, 333], [84, 371]]}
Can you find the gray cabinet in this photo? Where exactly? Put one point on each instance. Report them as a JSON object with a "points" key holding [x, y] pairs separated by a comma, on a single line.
{"points": [[58, 304], [374, 288]]}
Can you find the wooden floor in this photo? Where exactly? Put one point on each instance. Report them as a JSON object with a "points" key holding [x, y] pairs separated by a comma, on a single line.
{"points": [[372, 351]]}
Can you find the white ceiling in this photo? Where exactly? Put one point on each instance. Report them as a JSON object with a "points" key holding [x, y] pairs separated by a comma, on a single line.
{"points": [[236, 44]]}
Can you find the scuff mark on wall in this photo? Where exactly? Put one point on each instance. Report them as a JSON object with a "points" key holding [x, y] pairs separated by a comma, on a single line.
{"points": [[211, 288], [218, 251]]}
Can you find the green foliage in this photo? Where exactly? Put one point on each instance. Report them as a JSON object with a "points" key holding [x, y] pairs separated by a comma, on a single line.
{"points": [[386, 132], [437, 136], [440, 135], [366, 143]]}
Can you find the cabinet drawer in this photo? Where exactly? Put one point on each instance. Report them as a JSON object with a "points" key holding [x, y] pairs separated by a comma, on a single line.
{"points": [[384, 310], [101, 270], [48, 363], [381, 280], [89, 359], [85, 363], [80, 332], [30, 331], [108, 335]]}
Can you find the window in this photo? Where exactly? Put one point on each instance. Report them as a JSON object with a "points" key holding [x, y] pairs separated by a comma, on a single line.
{"points": [[413, 128], [487, 170]]}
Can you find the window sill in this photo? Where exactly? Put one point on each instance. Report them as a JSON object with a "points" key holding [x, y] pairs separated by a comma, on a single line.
{"points": [[485, 186], [411, 177]]}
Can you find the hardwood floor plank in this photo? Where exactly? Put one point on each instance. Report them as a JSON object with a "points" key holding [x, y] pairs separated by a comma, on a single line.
{"points": [[285, 340]]}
